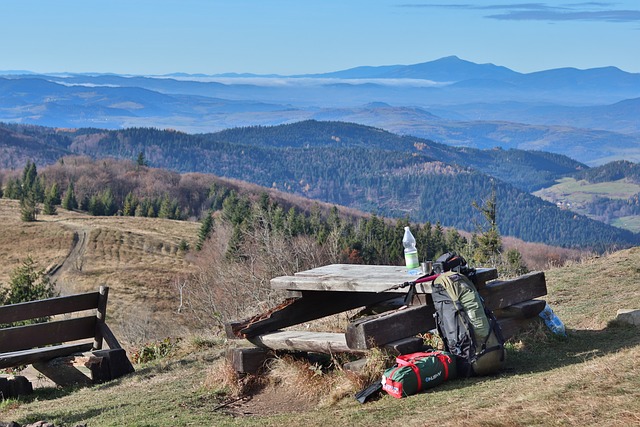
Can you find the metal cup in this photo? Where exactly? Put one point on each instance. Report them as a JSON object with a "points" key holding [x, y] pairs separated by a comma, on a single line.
{"points": [[426, 266]]}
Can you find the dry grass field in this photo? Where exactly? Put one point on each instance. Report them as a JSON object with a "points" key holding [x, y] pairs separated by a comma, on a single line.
{"points": [[589, 378], [138, 258]]}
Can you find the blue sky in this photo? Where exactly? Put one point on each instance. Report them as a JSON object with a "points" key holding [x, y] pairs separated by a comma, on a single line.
{"points": [[309, 36]]}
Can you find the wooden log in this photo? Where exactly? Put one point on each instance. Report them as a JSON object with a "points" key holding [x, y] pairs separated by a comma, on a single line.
{"points": [[405, 345], [63, 371], [376, 331], [513, 325], [248, 360], [484, 275], [107, 365], [101, 315], [315, 342], [15, 387], [503, 293], [313, 305], [521, 310], [108, 336], [28, 357]]}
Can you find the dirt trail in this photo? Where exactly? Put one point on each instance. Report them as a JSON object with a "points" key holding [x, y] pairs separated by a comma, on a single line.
{"points": [[75, 259]]}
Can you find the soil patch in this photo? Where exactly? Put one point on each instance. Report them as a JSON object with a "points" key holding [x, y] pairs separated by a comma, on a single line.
{"points": [[270, 400]]}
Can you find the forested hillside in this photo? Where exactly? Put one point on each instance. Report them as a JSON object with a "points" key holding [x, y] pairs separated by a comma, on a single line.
{"points": [[365, 168]]}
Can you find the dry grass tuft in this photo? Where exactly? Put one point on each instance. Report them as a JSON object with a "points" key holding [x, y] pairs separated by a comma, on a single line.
{"points": [[221, 376]]}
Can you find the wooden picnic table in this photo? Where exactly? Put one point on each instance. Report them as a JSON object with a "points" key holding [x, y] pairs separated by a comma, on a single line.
{"points": [[336, 288]]}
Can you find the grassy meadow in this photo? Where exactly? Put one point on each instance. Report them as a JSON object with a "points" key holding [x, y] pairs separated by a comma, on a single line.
{"points": [[574, 194], [591, 377]]}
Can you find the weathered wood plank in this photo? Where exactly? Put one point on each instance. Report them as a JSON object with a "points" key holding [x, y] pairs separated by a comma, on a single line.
{"points": [[503, 293], [483, 275], [101, 316], [360, 278], [49, 307], [41, 334], [513, 325], [107, 365], [375, 331], [313, 305], [405, 345], [522, 310], [63, 371], [28, 357], [108, 336], [316, 342], [247, 360]]}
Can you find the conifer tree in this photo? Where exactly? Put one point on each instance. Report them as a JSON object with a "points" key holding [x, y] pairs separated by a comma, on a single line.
{"points": [[108, 203], [205, 230], [69, 201], [28, 207], [48, 207], [489, 239], [54, 194], [27, 283]]}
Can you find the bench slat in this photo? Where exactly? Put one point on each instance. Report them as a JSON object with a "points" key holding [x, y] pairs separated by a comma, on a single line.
{"points": [[28, 357], [41, 334], [49, 307]]}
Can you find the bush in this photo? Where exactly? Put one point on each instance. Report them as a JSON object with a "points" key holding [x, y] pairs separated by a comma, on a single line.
{"points": [[28, 283]]}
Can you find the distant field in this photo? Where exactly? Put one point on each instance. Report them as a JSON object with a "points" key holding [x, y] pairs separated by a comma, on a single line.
{"points": [[629, 222], [573, 190], [572, 194]]}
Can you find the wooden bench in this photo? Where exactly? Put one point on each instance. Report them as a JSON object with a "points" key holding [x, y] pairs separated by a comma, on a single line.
{"points": [[41, 344]]}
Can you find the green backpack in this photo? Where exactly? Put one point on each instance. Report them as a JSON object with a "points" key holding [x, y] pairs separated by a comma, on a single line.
{"points": [[468, 329]]}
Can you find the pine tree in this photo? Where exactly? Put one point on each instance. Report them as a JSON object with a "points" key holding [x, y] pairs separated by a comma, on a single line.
{"points": [[54, 194], [141, 160], [489, 239], [130, 204], [28, 207], [12, 190], [69, 201], [108, 202], [205, 230], [48, 207], [29, 176], [165, 210], [96, 208], [27, 283]]}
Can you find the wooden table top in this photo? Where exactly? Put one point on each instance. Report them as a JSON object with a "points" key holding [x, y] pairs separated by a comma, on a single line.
{"points": [[349, 278], [359, 278]]}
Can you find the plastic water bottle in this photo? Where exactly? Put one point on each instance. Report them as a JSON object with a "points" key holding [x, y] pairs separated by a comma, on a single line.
{"points": [[410, 252], [552, 321]]}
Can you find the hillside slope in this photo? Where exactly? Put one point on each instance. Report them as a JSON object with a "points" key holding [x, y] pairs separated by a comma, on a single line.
{"points": [[370, 170], [591, 375]]}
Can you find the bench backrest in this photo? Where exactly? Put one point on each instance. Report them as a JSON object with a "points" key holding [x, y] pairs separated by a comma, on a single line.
{"points": [[25, 337]]}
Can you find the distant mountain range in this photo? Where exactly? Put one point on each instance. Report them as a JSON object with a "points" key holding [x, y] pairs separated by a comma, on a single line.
{"points": [[589, 115]]}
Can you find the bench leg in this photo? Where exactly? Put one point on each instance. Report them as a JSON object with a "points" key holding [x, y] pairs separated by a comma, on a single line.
{"points": [[107, 365], [63, 370]]}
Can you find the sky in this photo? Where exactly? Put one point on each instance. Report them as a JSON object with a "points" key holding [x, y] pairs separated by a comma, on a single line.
{"points": [[288, 37]]}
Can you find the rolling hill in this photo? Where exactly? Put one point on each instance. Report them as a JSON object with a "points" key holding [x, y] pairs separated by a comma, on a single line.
{"points": [[365, 168]]}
